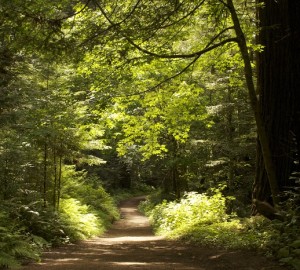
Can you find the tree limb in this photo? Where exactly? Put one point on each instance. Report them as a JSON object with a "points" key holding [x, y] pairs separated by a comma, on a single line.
{"points": [[191, 55], [169, 56], [185, 16], [164, 81]]}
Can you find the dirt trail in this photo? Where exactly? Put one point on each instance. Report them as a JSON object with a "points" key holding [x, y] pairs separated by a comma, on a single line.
{"points": [[130, 244]]}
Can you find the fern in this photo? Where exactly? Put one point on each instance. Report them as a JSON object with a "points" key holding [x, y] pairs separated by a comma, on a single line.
{"points": [[15, 244], [8, 261]]}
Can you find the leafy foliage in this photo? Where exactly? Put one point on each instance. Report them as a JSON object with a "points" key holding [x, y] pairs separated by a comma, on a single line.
{"points": [[192, 209], [204, 220], [16, 243], [79, 222], [89, 192], [285, 245], [109, 95]]}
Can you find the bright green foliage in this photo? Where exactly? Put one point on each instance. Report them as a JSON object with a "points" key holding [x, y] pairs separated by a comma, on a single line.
{"points": [[192, 209], [112, 94], [26, 228], [158, 116], [79, 222], [88, 191], [203, 219]]}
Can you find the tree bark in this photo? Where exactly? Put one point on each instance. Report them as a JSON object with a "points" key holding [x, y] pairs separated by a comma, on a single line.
{"points": [[45, 173], [278, 89], [261, 129], [59, 181], [54, 177]]}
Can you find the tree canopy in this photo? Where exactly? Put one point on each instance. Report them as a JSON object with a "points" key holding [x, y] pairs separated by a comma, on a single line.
{"points": [[184, 96]]}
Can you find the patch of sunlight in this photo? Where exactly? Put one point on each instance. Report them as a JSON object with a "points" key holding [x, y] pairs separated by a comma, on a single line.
{"points": [[130, 263], [128, 209], [59, 261], [215, 256], [134, 238], [163, 266], [67, 259]]}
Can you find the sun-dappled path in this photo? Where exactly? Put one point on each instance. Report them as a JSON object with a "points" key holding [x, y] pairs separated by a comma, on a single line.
{"points": [[130, 244]]}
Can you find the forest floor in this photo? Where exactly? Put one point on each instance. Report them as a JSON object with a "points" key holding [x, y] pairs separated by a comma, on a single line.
{"points": [[131, 244]]}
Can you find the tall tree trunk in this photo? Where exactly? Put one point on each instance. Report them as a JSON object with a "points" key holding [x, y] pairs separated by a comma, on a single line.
{"points": [[278, 89], [5, 181], [45, 173], [229, 137], [59, 180], [175, 181], [261, 128], [55, 176]]}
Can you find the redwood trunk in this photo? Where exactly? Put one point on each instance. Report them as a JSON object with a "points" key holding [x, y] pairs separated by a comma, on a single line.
{"points": [[278, 90]]}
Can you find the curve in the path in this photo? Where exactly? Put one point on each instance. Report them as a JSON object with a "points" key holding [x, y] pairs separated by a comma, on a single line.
{"points": [[130, 244]]}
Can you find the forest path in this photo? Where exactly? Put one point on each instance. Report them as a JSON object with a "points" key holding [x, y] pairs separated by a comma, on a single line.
{"points": [[130, 244]]}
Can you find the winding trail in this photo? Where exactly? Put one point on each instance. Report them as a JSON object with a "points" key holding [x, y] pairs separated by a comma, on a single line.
{"points": [[130, 244]]}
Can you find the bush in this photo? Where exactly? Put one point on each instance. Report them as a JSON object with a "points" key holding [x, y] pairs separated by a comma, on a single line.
{"points": [[204, 220], [27, 225], [192, 209], [285, 245], [89, 191], [15, 243], [79, 221]]}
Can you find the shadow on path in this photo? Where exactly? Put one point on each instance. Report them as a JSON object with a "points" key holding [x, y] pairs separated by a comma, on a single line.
{"points": [[130, 244]]}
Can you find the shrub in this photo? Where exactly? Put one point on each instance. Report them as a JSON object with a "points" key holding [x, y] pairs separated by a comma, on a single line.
{"points": [[203, 219], [27, 225], [192, 209], [15, 243], [78, 220], [89, 191]]}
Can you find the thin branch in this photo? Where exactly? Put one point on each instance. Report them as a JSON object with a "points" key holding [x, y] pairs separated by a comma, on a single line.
{"points": [[191, 55], [184, 17], [131, 12], [225, 4], [112, 25], [218, 35], [57, 19], [169, 56], [153, 88], [122, 21], [76, 13]]}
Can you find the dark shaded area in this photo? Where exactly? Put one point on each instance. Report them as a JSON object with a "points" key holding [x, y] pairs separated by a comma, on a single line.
{"points": [[278, 88]]}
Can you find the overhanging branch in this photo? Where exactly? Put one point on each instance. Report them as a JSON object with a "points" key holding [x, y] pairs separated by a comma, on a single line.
{"points": [[191, 55], [153, 88], [208, 48]]}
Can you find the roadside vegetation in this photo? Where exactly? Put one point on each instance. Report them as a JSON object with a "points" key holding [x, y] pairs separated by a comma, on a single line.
{"points": [[197, 99], [27, 228], [204, 219]]}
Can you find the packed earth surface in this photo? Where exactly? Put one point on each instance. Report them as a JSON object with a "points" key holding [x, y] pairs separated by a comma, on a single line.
{"points": [[131, 244]]}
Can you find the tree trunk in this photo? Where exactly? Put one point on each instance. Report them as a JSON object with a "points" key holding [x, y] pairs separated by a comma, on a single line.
{"points": [[59, 180], [45, 173], [261, 128], [278, 90], [55, 177]]}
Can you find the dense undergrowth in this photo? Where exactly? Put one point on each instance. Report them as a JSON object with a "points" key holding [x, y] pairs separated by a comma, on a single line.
{"points": [[27, 226], [203, 219]]}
